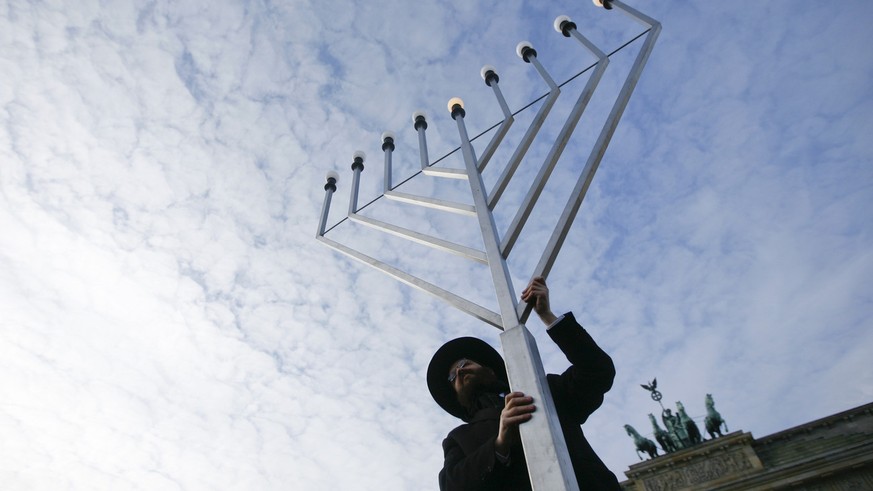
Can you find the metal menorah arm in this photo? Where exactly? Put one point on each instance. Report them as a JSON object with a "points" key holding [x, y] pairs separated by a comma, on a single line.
{"points": [[550, 253], [435, 203], [528, 54], [456, 301], [424, 239], [460, 303], [557, 149], [489, 75], [419, 122]]}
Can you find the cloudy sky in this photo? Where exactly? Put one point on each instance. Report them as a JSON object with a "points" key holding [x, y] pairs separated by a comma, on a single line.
{"points": [[168, 320]]}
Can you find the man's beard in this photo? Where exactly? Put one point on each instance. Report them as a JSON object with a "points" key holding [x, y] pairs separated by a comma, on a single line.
{"points": [[482, 392]]}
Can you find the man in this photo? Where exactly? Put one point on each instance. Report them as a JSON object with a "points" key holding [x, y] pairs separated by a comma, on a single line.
{"points": [[467, 378]]}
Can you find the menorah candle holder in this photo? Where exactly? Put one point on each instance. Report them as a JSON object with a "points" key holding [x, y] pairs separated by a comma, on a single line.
{"points": [[546, 454]]}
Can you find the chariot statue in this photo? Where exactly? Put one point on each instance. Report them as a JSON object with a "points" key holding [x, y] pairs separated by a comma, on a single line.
{"points": [[675, 429], [680, 431]]}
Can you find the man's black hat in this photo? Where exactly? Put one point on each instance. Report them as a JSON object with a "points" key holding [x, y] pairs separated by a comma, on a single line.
{"points": [[438, 371]]}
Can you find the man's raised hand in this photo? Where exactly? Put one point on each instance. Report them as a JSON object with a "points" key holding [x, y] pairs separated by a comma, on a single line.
{"points": [[537, 294], [517, 410]]}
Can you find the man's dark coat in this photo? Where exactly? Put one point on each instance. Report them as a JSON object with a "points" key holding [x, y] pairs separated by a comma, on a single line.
{"points": [[470, 460]]}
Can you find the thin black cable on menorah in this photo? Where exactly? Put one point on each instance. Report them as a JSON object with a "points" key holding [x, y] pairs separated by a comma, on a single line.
{"points": [[545, 450]]}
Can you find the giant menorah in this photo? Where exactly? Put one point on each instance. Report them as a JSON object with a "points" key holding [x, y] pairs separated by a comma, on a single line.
{"points": [[544, 447]]}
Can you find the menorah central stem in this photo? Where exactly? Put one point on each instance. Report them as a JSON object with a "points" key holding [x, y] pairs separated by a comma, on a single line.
{"points": [[499, 271], [545, 450]]}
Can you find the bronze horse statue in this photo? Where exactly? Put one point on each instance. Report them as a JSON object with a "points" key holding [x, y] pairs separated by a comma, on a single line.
{"points": [[714, 421], [689, 424], [664, 439], [642, 443]]}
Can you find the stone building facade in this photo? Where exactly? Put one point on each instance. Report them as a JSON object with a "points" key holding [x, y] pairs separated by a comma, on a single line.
{"points": [[832, 453]]}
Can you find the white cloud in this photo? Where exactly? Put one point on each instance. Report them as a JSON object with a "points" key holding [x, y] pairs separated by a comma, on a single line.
{"points": [[168, 320]]}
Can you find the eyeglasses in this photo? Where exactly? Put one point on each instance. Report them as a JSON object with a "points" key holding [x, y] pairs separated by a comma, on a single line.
{"points": [[453, 374]]}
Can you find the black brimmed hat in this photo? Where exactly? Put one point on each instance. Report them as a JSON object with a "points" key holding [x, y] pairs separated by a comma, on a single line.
{"points": [[438, 371]]}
